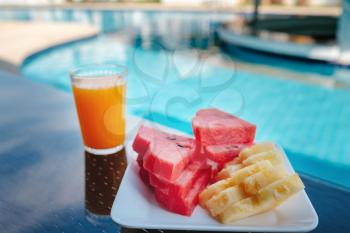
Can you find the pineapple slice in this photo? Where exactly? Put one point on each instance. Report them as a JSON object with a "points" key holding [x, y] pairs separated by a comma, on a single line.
{"points": [[225, 173], [274, 156], [257, 148], [244, 208], [222, 200], [212, 190], [240, 173], [235, 161], [266, 199], [252, 184], [233, 179], [281, 189]]}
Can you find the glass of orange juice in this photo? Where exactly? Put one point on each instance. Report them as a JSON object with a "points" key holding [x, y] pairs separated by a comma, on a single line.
{"points": [[99, 93]]}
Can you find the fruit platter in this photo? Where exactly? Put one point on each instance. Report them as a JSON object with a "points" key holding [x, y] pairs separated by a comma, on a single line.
{"points": [[220, 179]]}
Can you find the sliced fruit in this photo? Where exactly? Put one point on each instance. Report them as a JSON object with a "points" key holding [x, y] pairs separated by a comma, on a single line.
{"points": [[214, 127], [281, 189], [222, 200], [144, 176], [252, 184], [144, 136], [167, 156], [238, 176], [183, 205], [214, 168], [183, 183], [234, 179], [225, 173], [266, 199], [224, 153], [212, 190], [244, 208], [147, 135], [233, 162], [240, 172], [139, 160], [274, 156], [257, 148]]}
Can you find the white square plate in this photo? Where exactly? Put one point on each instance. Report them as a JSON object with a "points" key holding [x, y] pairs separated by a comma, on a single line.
{"points": [[136, 207]]}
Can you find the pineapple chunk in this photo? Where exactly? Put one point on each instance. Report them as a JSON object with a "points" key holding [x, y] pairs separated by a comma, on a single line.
{"points": [[225, 173], [266, 199], [257, 148], [244, 208], [233, 179], [252, 184], [222, 200], [281, 189], [212, 190], [239, 174], [235, 161], [274, 156]]}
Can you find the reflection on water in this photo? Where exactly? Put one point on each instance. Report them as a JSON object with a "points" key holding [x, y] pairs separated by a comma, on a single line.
{"points": [[103, 175]]}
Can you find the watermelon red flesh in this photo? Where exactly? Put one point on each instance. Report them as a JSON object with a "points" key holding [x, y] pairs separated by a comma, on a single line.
{"points": [[167, 160], [199, 154], [143, 138], [183, 205], [152, 142], [139, 160], [144, 175], [224, 153], [214, 168], [215, 127], [183, 183], [147, 135]]}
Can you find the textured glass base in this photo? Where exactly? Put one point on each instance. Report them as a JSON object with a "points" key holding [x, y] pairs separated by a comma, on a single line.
{"points": [[104, 151]]}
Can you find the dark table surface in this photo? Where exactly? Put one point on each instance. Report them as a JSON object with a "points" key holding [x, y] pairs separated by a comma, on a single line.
{"points": [[42, 167]]}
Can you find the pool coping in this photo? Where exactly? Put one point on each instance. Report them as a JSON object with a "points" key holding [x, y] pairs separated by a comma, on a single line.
{"points": [[36, 54], [40, 42]]}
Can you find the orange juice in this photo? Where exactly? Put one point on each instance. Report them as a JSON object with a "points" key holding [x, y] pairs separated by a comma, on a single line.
{"points": [[101, 114]]}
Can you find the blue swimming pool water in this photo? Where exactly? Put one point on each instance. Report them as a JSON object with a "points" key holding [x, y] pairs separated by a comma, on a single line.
{"points": [[170, 78]]}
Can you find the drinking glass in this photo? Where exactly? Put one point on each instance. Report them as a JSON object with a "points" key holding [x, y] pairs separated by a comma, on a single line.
{"points": [[99, 93]]}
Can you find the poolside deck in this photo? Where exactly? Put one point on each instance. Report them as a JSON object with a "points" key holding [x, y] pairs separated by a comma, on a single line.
{"points": [[21, 39], [217, 7]]}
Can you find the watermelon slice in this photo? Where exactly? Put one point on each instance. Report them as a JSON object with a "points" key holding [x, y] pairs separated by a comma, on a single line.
{"points": [[178, 168], [162, 154], [146, 135], [215, 127], [139, 160], [143, 138], [167, 159], [199, 153], [185, 204], [183, 183], [224, 153], [214, 168], [144, 176]]}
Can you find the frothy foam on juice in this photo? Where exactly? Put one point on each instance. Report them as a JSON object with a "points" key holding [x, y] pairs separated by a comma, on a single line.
{"points": [[94, 83]]}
